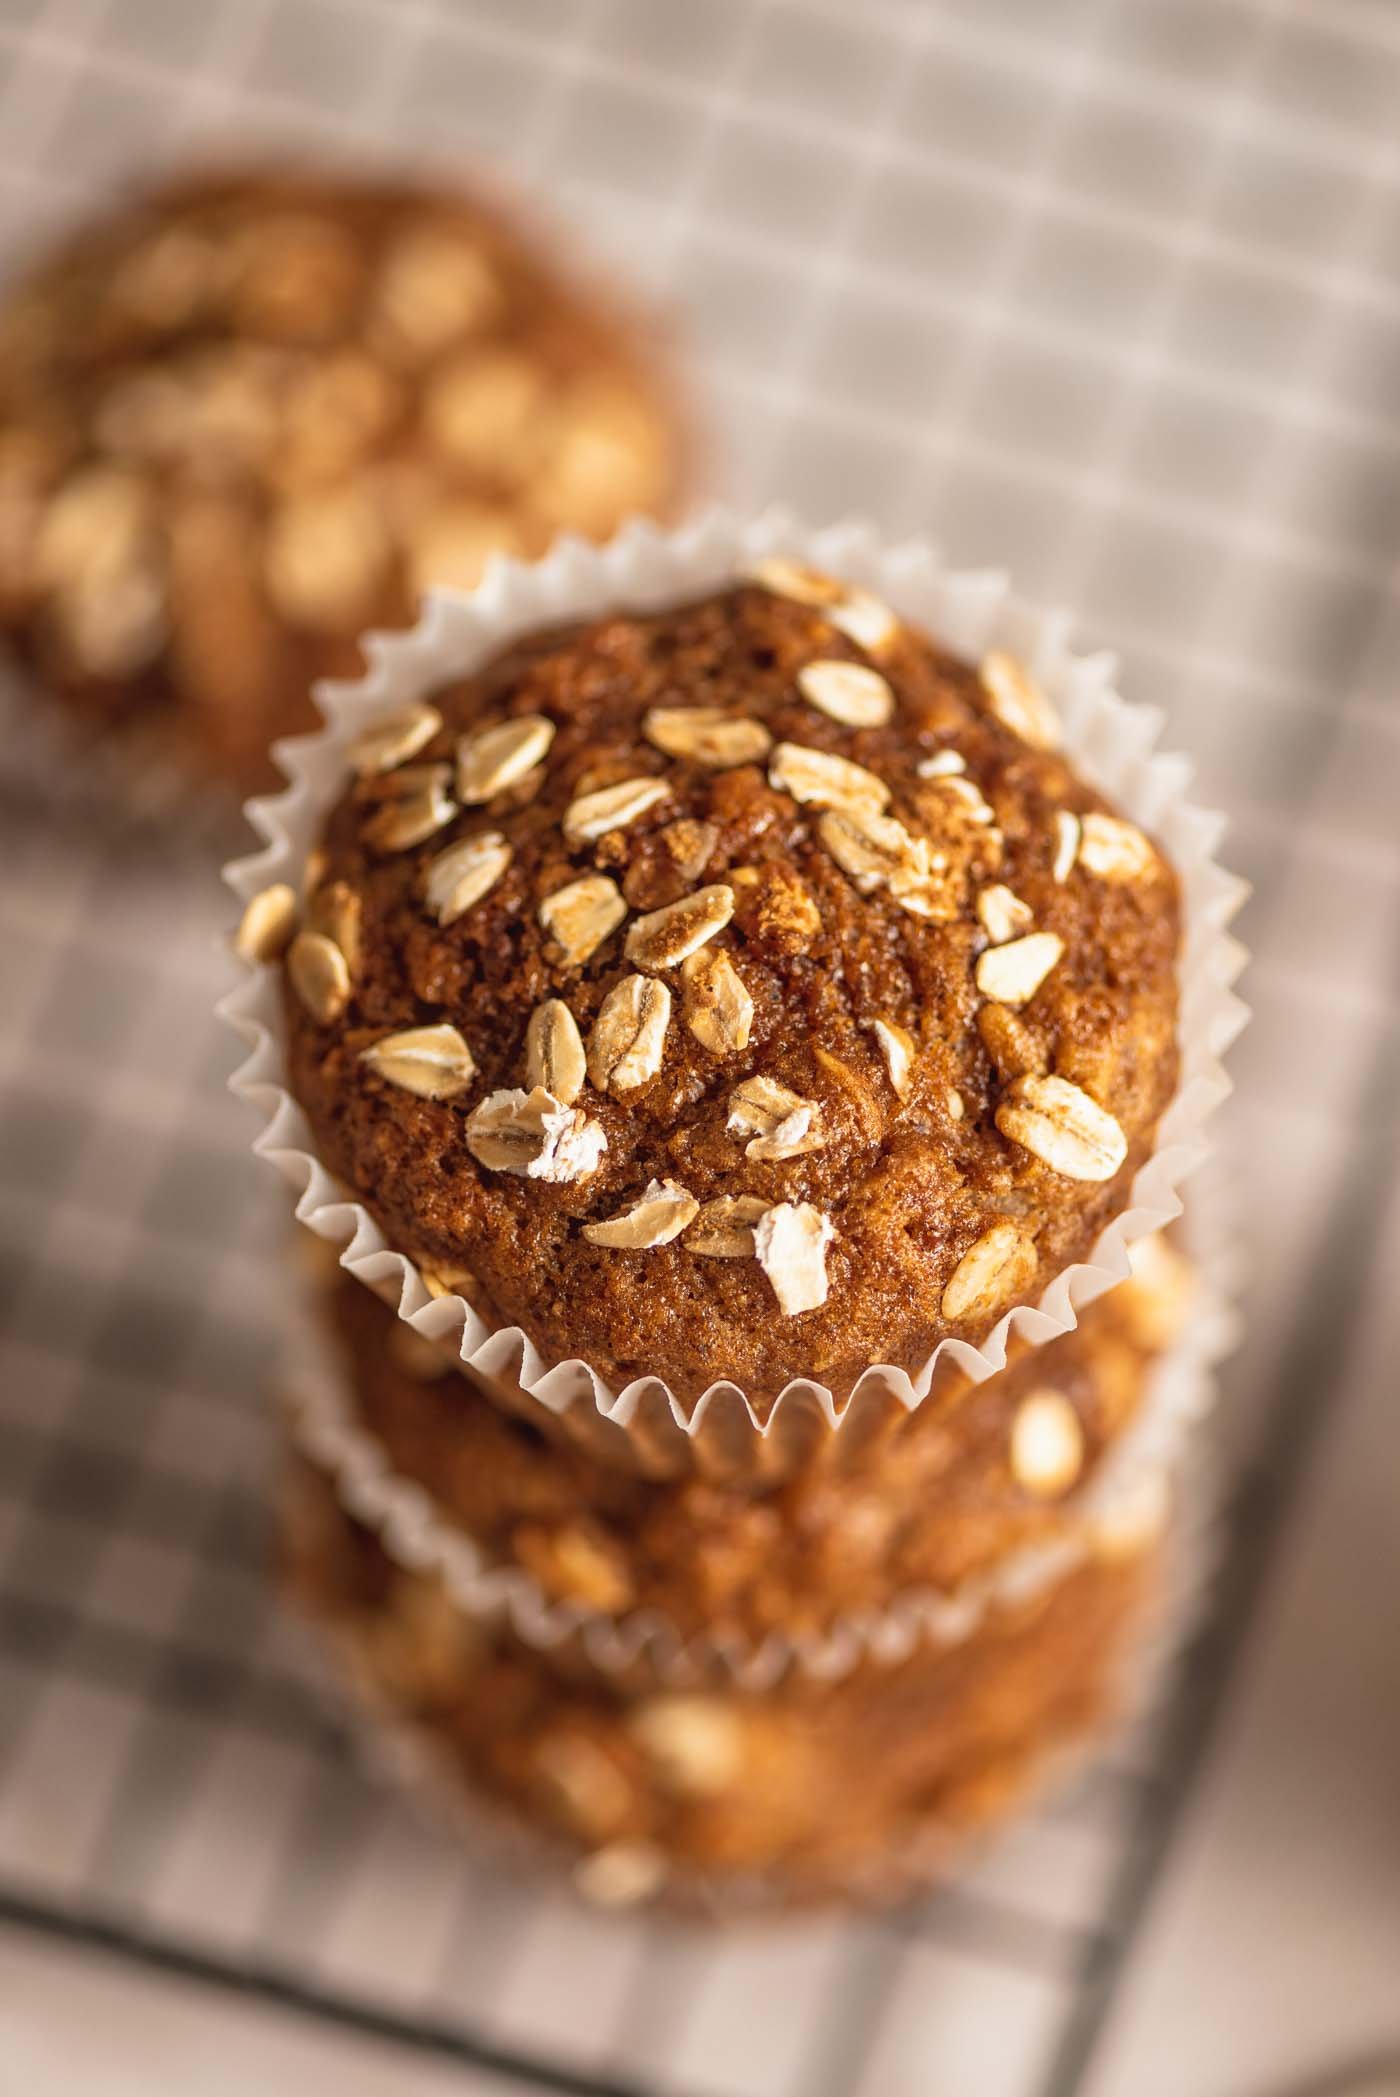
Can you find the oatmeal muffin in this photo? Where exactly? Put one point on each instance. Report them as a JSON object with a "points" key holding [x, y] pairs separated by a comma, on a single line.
{"points": [[748, 990], [638, 1785], [943, 1496], [245, 418]]}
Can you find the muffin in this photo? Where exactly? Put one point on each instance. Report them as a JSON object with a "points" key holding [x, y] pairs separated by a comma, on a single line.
{"points": [[743, 992], [949, 1493], [774, 1795], [244, 418]]}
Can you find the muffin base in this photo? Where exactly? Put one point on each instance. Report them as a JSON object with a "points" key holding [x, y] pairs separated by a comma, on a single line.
{"points": [[772, 1798], [944, 1496]]}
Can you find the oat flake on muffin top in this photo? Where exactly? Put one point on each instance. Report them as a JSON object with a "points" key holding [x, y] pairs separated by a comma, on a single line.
{"points": [[749, 990]]}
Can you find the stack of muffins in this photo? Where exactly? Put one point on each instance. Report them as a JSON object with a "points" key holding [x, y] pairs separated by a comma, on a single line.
{"points": [[738, 1016]]}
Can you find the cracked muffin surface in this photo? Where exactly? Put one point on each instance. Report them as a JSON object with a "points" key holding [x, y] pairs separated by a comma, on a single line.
{"points": [[745, 990]]}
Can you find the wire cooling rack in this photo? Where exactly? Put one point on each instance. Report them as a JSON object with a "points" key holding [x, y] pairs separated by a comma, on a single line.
{"points": [[1104, 290]]}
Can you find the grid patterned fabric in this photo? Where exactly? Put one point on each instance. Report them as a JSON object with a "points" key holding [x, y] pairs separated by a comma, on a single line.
{"points": [[1102, 290]]}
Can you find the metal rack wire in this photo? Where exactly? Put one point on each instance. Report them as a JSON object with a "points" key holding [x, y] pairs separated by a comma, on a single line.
{"points": [[1100, 288]]}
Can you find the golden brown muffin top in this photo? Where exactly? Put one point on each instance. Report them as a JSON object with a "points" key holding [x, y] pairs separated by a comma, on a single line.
{"points": [[748, 990], [246, 417]]}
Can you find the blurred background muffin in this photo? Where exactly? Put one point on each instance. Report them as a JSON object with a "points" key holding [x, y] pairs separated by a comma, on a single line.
{"points": [[1104, 294], [248, 416]]}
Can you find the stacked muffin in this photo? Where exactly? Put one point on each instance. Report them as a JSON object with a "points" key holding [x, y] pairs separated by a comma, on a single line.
{"points": [[747, 1004], [246, 417], [854, 1774]]}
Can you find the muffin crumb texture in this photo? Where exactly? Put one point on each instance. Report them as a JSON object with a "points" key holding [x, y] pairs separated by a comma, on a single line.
{"points": [[749, 990]]}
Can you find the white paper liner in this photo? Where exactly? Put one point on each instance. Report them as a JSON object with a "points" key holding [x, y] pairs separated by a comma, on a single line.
{"points": [[417, 1534], [646, 568], [410, 1755]]}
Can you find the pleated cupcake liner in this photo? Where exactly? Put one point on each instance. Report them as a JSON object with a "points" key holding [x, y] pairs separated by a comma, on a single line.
{"points": [[410, 1755], [727, 1432], [646, 1646]]}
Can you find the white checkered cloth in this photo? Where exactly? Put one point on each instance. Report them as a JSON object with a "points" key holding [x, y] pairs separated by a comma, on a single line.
{"points": [[1104, 291]]}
